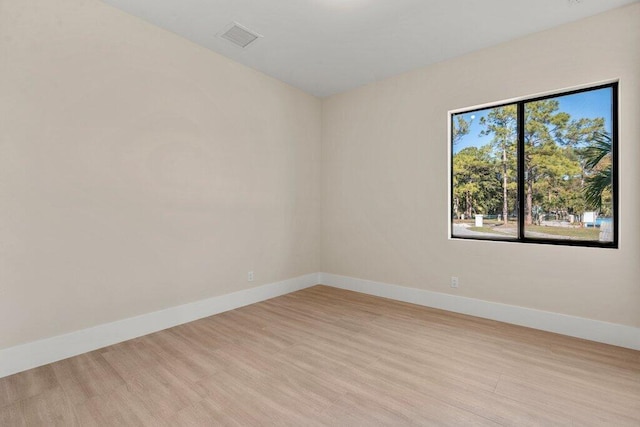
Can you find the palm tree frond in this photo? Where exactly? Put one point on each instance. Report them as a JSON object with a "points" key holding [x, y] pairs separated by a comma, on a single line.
{"points": [[600, 175], [596, 185], [598, 149]]}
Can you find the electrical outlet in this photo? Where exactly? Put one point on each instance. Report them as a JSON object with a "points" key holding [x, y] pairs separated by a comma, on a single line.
{"points": [[250, 276], [454, 282]]}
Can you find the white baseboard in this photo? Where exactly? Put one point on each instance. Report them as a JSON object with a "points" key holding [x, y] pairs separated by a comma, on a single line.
{"points": [[31, 355], [38, 353], [593, 330]]}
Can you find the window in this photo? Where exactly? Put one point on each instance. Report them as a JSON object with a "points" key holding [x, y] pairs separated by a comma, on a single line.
{"points": [[541, 170]]}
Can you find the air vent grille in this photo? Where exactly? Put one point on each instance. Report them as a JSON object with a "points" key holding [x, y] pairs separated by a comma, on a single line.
{"points": [[239, 35]]}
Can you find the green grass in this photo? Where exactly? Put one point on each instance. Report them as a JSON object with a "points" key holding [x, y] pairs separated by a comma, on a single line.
{"points": [[494, 227], [575, 233], [491, 230], [491, 222]]}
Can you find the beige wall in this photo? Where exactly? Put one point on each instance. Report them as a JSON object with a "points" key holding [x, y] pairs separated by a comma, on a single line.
{"points": [[384, 174], [139, 171]]}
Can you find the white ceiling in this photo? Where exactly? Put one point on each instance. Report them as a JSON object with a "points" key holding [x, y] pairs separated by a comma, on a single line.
{"points": [[329, 46]]}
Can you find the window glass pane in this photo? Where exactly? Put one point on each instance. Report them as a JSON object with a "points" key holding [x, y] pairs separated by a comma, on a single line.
{"points": [[568, 167], [484, 178]]}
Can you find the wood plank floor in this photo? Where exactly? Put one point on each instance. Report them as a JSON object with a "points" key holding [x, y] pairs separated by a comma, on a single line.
{"points": [[324, 356]]}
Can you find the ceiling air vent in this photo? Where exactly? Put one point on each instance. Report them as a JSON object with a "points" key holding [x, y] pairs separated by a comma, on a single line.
{"points": [[239, 35]]}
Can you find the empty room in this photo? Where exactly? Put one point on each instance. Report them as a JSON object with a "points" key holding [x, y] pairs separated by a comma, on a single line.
{"points": [[319, 212]]}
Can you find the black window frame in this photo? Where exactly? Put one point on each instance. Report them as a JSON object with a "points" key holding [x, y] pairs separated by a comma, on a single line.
{"points": [[520, 197]]}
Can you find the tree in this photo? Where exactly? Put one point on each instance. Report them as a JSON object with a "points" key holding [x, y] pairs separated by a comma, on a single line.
{"points": [[552, 170], [580, 133], [475, 185], [502, 123], [558, 180], [461, 127], [598, 163], [543, 125]]}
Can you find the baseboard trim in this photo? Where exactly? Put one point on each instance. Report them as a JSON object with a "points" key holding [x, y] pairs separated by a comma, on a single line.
{"points": [[37, 353], [579, 327]]}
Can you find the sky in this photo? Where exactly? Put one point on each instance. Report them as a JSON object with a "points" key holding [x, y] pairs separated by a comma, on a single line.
{"points": [[592, 104]]}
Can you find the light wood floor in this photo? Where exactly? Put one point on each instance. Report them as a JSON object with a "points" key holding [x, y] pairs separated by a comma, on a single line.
{"points": [[324, 356]]}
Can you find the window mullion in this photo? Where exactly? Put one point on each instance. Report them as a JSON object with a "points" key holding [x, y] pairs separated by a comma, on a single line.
{"points": [[521, 171]]}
